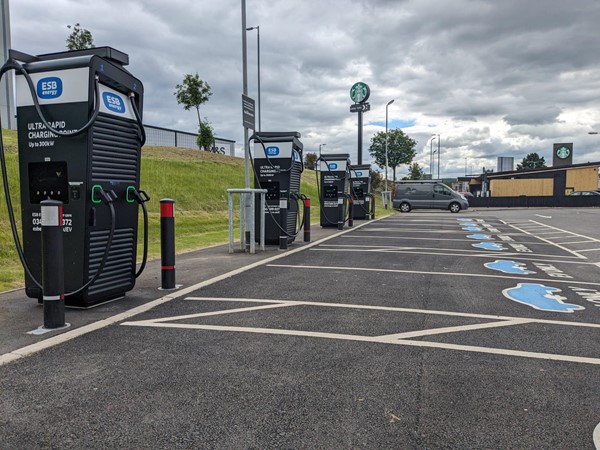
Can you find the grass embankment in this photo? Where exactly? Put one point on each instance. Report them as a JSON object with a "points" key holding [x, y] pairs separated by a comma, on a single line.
{"points": [[197, 181]]}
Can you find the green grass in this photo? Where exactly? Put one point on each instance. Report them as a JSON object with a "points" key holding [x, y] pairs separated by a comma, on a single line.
{"points": [[197, 181]]}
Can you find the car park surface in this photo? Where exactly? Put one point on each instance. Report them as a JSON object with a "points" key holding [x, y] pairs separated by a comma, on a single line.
{"points": [[427, 330]]}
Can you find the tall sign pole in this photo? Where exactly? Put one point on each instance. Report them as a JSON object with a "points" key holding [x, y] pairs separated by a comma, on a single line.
{"points": [[245, 92], [7, 103], [359, 94]]}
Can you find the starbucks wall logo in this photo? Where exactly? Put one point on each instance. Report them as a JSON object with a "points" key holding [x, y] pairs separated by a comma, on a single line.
{"points": [[359, 92], [563, 152]]}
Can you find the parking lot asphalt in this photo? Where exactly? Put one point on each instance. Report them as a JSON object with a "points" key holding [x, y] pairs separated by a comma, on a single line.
{"points": [[423, 330]]}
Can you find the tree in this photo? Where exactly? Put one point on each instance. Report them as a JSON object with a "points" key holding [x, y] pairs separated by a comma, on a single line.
{"points": [[80, 38], [376, 180], [414, 172], [532, 161], [401, 149], [206, 137], [310, 161], [192, 93]]}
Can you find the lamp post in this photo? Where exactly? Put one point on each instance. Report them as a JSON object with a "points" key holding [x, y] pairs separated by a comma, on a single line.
{"points": [[257, 28], [432, 155], [386, 146], [321, 145]]}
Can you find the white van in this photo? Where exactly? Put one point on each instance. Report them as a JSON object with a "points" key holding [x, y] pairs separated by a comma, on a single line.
{"points": [[424, 194]]}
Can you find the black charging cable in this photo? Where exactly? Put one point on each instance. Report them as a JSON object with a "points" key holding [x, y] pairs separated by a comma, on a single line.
{"points": [[141, 197], [107, 198], [141, 130]]}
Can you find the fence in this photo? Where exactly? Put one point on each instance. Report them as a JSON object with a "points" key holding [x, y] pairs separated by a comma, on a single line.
{"points": [[535, 202], [165, 137]]}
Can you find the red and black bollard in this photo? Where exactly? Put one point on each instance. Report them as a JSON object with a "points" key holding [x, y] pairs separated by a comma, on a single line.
{"points": [[167, 243], [53, 276], [306, 202]]}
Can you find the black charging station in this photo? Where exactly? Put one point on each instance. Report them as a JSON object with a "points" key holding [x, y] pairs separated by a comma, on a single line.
{"points": [[278, 166], [360, 189], [333, 188], [85, 171]]}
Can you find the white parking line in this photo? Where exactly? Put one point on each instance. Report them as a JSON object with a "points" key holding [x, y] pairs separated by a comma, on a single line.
{"points": [[424, 272]]}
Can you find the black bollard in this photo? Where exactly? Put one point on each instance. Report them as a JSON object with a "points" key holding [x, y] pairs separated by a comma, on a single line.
{"points": [[341, 213], [283, 238], [53, 276], [167, 243], [350, 211], [306, 202]]}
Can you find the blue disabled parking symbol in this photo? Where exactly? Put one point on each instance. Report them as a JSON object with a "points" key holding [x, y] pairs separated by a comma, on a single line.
{"points": [[507, 266], [543, 298], [473, 228], [490, 246], [480, 237]]}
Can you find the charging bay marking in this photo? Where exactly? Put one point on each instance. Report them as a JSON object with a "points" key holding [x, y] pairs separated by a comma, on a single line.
{"points": [[490, 246], [507, 266], [480, 237], [541, 297]]}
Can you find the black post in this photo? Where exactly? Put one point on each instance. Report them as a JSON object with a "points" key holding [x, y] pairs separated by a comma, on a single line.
{"points": [[360, 131], [372, 206], [350, 211], [53, 277], [283, 238], [306, 220], [341, 213], [167, 243]]}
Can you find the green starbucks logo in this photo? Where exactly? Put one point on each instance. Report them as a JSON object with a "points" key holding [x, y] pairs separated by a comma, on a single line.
{"points": [[359, 92], [563, 152]]}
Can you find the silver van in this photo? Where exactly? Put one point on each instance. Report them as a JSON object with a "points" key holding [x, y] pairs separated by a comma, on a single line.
{"points": [[427, 195]]}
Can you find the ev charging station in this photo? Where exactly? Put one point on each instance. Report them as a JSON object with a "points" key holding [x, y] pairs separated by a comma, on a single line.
{"points": [[80, 134], [360, 190], [333, 189], [278, 166]]}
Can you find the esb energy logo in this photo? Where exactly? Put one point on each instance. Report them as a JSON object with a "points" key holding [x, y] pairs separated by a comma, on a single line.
{"points": [[358, 174], [272, 151], [49, 88], [113, 102], [332, 166]]}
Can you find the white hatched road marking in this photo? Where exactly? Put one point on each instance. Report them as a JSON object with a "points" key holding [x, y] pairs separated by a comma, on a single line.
{"points": [[557, 245], [394, 339]]}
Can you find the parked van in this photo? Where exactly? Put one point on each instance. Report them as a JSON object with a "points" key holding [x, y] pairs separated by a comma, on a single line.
{"points": [[425, 194]]}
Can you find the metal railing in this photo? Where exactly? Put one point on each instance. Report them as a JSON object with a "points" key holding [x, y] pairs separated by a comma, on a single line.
{"points": [[165, 137]]}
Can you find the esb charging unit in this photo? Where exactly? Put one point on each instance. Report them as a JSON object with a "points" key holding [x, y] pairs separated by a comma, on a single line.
{"points": [[76, 169], [334, 182], [360, 188], [278, 167]]}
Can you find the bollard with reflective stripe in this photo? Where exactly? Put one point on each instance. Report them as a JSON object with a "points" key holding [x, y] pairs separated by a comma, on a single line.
{"points": [[306, 202], [167, 243], [53, 277], [340, 213], [283, 238]]}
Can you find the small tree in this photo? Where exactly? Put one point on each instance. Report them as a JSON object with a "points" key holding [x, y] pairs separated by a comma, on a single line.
{"points": [[192, 93], [532, 161], [310, 161], [414, 172], [80, 38], [376, 180], [401, 149], [206, 137]]}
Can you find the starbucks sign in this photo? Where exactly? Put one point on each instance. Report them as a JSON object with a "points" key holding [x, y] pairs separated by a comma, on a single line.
{"points": [[563, 152], [359, 92]]}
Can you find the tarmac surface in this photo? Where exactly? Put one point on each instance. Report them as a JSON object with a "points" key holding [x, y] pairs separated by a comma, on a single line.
{"points": [[426, 330]]}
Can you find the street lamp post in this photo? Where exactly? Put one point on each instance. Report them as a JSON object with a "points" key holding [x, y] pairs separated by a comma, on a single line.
{"points": [[320, 145], [386, 148], [432, 155], [257, 28]]}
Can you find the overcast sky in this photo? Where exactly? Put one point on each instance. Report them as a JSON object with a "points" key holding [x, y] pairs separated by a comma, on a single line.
{"points": [[492, 78]]}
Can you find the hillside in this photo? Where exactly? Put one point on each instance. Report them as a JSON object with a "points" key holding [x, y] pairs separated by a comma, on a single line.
{"points": [[196, 180]]}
